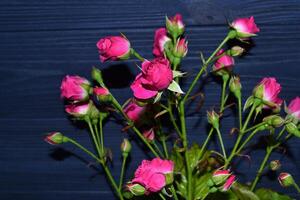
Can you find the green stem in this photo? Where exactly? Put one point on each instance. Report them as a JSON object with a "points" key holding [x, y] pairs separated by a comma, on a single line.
{"points": [[246, 141], [225, 80], [254, 127], [221, 143], [137, 55], [174, 192], [241, 134], [206, 141], [261, 168], [165, 147], [157, 149], [122, 172], [172, 118], [101, 134], [240, 112], [297, 187], [97, 135], [205, 65], [94, 137], [108, 174], [119, 108], [280, 133], [162, 196]]}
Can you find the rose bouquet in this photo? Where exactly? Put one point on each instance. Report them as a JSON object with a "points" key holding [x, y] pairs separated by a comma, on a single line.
{"points": [[182, 170]]}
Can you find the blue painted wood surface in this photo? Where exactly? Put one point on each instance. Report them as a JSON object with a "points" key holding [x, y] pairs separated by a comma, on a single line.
{"points": [[42, 41]]}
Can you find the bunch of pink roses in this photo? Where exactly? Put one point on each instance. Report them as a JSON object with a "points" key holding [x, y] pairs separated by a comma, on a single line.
{"points": [[183, 171]]}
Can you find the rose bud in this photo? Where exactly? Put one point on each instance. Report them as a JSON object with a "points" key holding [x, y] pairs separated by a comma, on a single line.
{"points": [[136, 189], [113, 48], [286, 179], [235, 86], [229, 182], [102, 94], [224, 61], [268, 90], [220, 176], [152, 174], [235, 51], [245, 27], [55, 138], [134, 111], [125, 147], [292, 129], [156, 76], [275, 165], [181, 48], [160, 40], [97, 76], [294, 109], [274, 120], [149, 134], [175, 26], [78, 110], [75, 88], [213, 119]]}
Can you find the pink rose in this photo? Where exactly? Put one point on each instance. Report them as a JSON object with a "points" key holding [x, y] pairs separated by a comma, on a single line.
{"points": [[113, 48], [156, 76], [181, 48], [175, 25], [220, 176], [134, 111], [245, 27], [294, 108], [160, 39], [78, 110], [75, 88], [224, 61], [229, 182], [102, 94], [151, 174], [268, 90], [149, 134]]}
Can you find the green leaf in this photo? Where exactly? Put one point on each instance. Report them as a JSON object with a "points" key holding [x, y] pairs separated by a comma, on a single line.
{"points": [[178, 74], [243, 192], [266, 194], [175, 87]]}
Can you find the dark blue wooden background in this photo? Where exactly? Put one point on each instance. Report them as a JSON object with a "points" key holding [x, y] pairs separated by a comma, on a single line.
{"points": [[42, 41]]}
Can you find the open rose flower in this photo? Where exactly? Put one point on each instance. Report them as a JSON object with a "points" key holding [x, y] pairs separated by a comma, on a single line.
{"points": [[268, 90], [156, 76], [245, 27], [75, 88], [134, 111], [224, 62], [294, 108], [113, 48], [152, 174], [160, 39]]}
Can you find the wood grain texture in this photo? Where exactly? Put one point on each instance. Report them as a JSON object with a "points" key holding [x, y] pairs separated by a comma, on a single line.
{"points": [[43, 41]]}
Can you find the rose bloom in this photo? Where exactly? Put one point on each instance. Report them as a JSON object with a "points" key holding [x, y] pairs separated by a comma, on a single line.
{"points": [[294, 108], [156, 76], [151, 174], [72, 88], [269, 90], [245, 27], [224, 61], [134, 111], [160, 39], [78, 110], [113, 48]]}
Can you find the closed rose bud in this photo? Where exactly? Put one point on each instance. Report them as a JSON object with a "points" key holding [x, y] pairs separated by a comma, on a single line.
{"points": [[235, 86], [97, 76], [235, 51], [75, 88], [136, 189], [229, 182], [274, 120], [213, 119], [275, 165], [268, 90], [181, 48], [223, 64], [175, 26], [285, 179], [134, 111], [149, 134], [78, 110], [102, 94], [245, 27], [55, 138], [220, 176], [113, 48], [294, 108], [292, 129], [125, 147], [160, 41]]}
